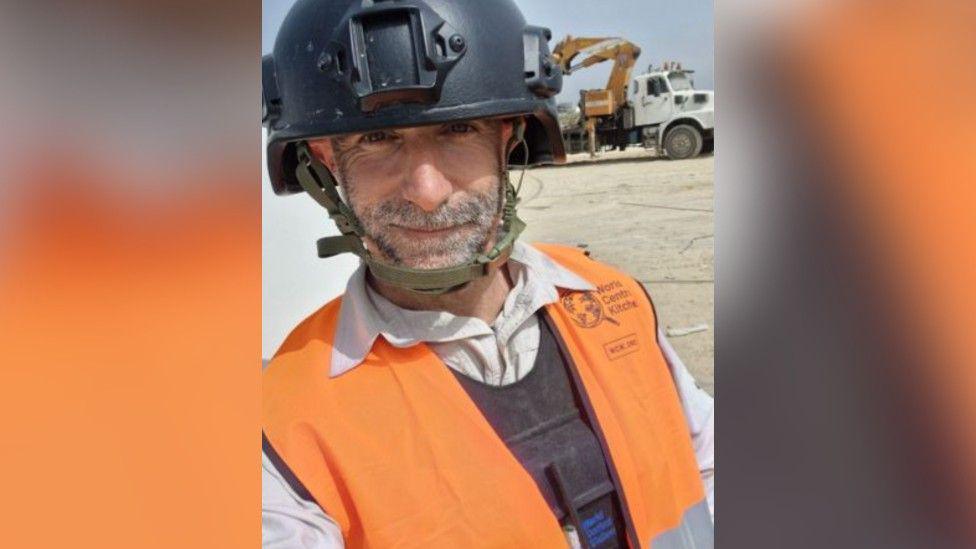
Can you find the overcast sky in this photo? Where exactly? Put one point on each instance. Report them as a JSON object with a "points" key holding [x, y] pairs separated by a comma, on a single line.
{"points": [[664, 29]]}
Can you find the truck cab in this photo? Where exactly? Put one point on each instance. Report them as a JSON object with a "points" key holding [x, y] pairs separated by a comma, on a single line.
{"points": [[671, 115]]}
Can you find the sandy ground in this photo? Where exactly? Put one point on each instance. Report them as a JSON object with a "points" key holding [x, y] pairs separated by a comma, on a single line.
{"points": [[652, 218]]}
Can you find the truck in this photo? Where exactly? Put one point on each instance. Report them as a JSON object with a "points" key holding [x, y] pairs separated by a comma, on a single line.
{"points": [[660, 109]]}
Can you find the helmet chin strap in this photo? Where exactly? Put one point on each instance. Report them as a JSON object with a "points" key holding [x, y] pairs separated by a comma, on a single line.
{"points": [[320, 184]]}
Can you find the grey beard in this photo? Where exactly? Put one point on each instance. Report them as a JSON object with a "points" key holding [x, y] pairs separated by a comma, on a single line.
{"points": [[478, 211]]}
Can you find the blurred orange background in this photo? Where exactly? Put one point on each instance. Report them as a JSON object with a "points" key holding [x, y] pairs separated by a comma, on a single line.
{"points": [[846, 255], [130, 304], [902, 131]]}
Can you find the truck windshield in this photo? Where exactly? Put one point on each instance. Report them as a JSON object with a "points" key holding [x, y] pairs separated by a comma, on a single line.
{"points": [[680, 81]]}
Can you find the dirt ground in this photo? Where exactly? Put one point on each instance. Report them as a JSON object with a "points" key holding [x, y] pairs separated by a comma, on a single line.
{"points": [[650, 217]]}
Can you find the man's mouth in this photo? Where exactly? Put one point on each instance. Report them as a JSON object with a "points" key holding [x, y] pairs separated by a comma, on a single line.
{"points": [[430, 231]]}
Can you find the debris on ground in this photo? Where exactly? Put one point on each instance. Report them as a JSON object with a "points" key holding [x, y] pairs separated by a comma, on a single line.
{"points": [[678, 332]]}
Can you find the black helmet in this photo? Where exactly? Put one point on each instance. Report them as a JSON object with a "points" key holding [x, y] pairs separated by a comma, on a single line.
{"points": [[343, 66]]}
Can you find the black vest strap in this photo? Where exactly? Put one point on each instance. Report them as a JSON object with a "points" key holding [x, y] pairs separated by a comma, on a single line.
{"points": [[285, 471]]}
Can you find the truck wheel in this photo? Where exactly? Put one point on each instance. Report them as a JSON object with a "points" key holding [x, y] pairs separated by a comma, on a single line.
{"points": [[683, 141]]}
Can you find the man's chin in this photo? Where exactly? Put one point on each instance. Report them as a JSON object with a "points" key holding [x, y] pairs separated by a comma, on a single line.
{"points": [[431, 262], [429, 256]]}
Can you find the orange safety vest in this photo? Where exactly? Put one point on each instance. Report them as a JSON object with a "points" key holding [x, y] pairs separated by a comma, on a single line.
{"points": [[398, 454]]}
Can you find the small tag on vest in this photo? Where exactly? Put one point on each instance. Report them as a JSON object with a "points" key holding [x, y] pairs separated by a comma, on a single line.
{"points": [[621, 347]]}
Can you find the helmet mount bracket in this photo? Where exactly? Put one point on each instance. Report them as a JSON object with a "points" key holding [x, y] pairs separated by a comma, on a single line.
{"points": [[392, 52]]}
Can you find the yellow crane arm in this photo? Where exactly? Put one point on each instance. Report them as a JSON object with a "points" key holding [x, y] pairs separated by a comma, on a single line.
{"points": [[622, 52]]}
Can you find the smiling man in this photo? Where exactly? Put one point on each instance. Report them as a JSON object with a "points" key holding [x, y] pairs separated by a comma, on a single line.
{"points": [[427, 197], [467, 390]]}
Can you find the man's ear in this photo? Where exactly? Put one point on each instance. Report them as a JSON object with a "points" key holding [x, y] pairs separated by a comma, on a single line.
{"points": [[323, 151], [509, 128]]}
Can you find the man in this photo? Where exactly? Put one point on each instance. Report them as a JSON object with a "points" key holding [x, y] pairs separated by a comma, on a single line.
{"points": [[467, 390]]}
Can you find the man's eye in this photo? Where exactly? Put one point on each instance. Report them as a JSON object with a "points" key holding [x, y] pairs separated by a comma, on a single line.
{"points": [[461, 128], [374, 137]]}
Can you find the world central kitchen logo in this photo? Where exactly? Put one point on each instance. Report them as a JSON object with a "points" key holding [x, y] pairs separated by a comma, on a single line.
{"points": [[589, 309]]}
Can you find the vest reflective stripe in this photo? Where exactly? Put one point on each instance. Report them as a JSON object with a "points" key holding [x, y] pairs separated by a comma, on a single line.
{"points": [[694, 532], [398, 454]]}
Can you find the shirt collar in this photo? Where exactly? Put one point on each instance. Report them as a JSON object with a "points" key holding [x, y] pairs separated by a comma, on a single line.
{"points": [[364, 314]]}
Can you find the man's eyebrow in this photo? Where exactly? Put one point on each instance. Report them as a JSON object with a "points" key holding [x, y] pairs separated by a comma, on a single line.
{"points": [[490, 123], [343, 141]]}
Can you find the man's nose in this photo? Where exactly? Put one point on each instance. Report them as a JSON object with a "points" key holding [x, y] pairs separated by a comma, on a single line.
{"points": [[425, 185]]}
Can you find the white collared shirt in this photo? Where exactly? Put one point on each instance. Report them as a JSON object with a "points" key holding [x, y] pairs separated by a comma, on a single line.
{"points": [[497, 354]]}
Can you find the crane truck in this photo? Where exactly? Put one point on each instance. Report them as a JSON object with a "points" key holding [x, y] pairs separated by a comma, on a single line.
{"points": [[659, 109]]}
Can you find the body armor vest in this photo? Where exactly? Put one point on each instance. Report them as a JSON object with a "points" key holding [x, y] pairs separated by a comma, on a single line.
{"points": [[541, 420]]}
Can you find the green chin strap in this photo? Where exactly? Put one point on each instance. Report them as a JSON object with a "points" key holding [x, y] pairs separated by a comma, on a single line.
{"points": [[319, 183]]}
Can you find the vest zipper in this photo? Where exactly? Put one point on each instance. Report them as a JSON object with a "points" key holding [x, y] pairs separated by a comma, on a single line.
{"points": [[595, 425]]}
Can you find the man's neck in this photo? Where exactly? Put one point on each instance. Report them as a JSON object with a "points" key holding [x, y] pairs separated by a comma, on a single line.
{"points": [[481, 298]]}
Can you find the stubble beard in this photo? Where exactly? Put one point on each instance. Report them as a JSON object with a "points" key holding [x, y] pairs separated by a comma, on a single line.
{"points": [[468, 223]]}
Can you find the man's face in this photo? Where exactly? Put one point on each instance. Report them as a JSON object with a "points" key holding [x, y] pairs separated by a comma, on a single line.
{"points": [[429, 197]]}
